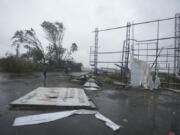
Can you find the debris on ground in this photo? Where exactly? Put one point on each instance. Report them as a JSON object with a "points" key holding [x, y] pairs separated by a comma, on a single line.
{"points": [[174, 90], [55, 97], [120, 84], [75, 81], [125, 120], [91, 84], [80, 76], [58, 97], [42, 118]]}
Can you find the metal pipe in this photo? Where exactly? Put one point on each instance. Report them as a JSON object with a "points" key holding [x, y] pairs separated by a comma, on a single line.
{"points": [[146, 22]]}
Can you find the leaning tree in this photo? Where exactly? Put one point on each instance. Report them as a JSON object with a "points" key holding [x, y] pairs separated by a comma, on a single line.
{"points": [[18, 39], [55, 53], [54, 34], [29, 40]]}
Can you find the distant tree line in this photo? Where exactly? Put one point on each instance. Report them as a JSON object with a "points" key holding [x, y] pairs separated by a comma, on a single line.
{"points": [[54, 55]]}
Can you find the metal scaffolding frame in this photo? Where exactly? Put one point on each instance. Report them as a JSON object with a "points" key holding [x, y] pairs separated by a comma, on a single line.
{"points": [[155, 55], [96, 51], [177, 44]]}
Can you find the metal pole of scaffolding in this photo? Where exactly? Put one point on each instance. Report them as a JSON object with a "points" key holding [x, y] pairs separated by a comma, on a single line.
{"points": [[96, 51]]}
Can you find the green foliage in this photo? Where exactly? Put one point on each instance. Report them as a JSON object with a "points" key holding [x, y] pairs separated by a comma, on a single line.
{"points": [[54, 32], [163, 75], [17, 40], [56, 55], [18, 65], [29, 40], [35, 53], [52, 51], [115, 76], [68, 55], [74, 47], [73, 66], [109, 80]]}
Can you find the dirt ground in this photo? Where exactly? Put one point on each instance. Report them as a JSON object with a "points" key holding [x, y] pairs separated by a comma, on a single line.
{"points": [[138, 111]]}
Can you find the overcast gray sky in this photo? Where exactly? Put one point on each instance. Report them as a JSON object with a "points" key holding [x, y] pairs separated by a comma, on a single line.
{"points": [[80, 17]]}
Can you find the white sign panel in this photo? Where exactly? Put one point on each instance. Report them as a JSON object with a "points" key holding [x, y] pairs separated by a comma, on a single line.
{"points": [[54, 97]]}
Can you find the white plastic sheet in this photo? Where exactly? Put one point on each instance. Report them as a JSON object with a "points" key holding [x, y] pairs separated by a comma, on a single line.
{"points": [[47, 117], [139, 72], [157, 82], [136, 71], [41, 118], [141, 75]]}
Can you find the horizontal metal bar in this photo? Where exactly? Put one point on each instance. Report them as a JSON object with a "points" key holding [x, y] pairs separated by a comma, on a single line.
{"points": [[165, 49], [165, 55], [109, 52], [149, 43], [108, 61], [155, 39], [146, 22]]}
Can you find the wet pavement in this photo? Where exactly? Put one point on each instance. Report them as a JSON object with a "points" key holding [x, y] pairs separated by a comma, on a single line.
{"points": [[138, 111]]}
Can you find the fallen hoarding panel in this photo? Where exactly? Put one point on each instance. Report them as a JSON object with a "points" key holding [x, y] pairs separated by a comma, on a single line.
{"points": [[42, 118], [66, 97], [91, 84], [91, 88]]}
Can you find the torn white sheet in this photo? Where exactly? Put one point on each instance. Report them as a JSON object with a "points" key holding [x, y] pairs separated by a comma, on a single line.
{"points": [[141, 75], [42, 118], [157, 82], [108, 122], [139, 72]]}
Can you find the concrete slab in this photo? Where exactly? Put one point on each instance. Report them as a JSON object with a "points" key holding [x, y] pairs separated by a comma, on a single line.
{"points": [[57, 97]]}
